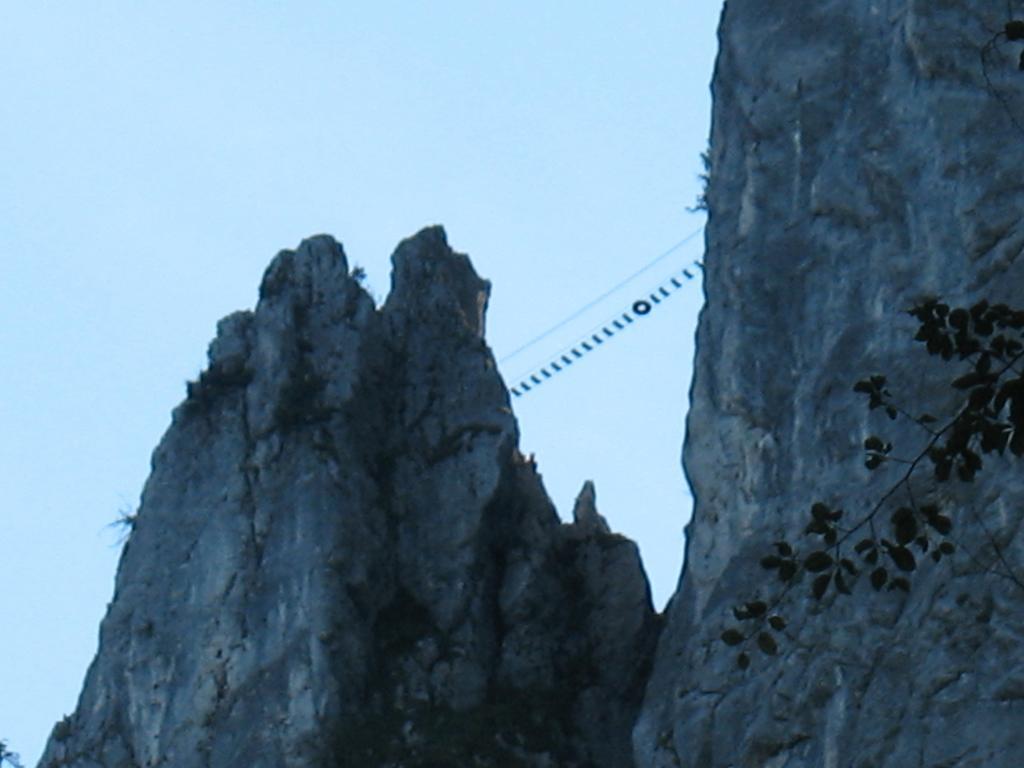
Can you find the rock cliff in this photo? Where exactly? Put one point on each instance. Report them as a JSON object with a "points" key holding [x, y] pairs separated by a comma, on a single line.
{"points": [[861, 161], [341, 558]]}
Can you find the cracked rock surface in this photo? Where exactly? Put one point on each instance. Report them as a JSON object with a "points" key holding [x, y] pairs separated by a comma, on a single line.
{"points": [[342, 559], [860, 162]]}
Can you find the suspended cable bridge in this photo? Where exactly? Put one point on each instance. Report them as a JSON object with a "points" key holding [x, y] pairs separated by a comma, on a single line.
{"points": [[609, 329]]}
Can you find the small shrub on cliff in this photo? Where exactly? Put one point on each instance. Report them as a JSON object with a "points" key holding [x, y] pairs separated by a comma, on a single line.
{"points": [[125, 523], [701, 204], [10, 758]]}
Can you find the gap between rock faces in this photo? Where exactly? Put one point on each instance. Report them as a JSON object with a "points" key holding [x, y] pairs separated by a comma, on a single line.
{"points": [[341, 557]]}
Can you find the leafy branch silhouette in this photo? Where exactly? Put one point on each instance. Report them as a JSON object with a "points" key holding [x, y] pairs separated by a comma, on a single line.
{"points": [[1012, 31], [6, 756], [989, 419]]}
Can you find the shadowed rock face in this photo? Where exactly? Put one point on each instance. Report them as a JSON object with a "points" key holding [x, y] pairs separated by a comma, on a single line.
{"points": [[860, 162], [341, 558]]}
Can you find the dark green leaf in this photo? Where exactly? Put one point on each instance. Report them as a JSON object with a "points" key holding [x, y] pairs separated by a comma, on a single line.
{"points": [[767, 644], [784, 549], [998, 346], [732, 637], [864, 545], [968, 380], [819, 511], [777, 623], [980, 397], [818, 527], [820, 585], [972, 460], [743, 661], [891, 412], [904, 525], [756, 608], [874, 461], [841, 583], [818, 561], [965, 472], [940, 523], [878, 578], [903, 558], [947, 548], [770, 562], [849, 566], [994, 437], [873, 444], [946, 348], [1010, 390], [787, 570], [872, 557]]}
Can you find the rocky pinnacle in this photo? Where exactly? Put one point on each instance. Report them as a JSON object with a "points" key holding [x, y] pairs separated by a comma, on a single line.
{"points": [[342, 559]]}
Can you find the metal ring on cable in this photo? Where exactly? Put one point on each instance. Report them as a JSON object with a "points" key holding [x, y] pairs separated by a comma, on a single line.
{"points": [[593, 340]]}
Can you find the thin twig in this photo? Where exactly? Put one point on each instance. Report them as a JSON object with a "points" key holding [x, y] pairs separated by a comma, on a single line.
{"points": [[989, 46]]}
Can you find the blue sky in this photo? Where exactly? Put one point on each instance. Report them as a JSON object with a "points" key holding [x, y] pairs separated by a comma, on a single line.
{"points": [[157, 155]]}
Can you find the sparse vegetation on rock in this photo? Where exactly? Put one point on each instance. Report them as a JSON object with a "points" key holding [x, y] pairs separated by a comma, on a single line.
{"points": [[908, 525]]}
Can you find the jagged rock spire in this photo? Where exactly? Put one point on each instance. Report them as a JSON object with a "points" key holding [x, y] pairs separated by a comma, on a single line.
{"points": [[586, 519], [341, 558]]}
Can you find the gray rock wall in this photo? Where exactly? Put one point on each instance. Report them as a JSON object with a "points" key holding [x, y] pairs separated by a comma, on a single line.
{"points": [[859, 163], [341, 558]]}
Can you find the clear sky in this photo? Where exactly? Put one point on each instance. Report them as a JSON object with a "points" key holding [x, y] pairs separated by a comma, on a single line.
{"points": [[155, 157]]}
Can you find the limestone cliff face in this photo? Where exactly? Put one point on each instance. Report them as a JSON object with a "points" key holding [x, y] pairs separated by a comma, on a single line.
{"points": [[341, 558], [860, 162]]}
